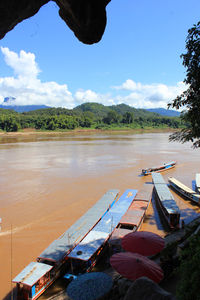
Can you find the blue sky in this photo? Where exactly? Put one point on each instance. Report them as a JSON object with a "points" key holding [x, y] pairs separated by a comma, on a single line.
{"points": [[137, 62]]}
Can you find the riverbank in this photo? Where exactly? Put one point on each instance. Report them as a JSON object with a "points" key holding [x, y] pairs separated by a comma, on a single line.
{"points": [[32, 131]]}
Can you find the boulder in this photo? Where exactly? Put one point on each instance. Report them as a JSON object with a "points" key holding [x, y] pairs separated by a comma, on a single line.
{"points": [[145, 289]]}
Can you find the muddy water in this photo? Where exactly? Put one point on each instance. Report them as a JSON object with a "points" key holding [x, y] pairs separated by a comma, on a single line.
{"points": [[47, 183]]}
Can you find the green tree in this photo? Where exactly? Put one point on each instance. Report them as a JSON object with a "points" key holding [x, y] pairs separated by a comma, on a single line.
{"points": [[112, 117], [127, 118], [190, 99]]}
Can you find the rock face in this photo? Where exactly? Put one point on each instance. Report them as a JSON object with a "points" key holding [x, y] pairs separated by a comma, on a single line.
{"points": [[144, 288], [86, 18]]}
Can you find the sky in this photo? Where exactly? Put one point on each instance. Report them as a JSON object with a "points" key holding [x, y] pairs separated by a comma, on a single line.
{"points": [[137, 61]]}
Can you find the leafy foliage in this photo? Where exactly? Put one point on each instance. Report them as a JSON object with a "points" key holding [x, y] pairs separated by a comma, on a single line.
{"points": [[189, 270], [190, 99]]}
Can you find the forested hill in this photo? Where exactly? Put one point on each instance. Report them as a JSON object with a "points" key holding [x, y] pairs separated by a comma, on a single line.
{"points": [[101, 110], [87, 115]]}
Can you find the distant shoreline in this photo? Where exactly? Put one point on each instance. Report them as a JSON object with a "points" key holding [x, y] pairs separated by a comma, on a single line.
{"points": [[29, 132]]}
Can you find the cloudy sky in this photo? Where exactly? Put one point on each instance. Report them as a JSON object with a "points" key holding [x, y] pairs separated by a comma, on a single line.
{"points": [[137, 62]]}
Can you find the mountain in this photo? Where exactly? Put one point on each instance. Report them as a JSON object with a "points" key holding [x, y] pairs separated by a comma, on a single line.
{"points": [[165, 112], [97, 109], [101, 111], [23, 108]]}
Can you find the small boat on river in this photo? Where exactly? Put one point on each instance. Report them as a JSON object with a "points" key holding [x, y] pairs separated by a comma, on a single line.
{"points": [[166, 203], [184, 190], [198, 182], [161, 168]]}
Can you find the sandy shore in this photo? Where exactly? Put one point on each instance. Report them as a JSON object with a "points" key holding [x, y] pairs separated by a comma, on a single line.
{"points": [[32, 131]]}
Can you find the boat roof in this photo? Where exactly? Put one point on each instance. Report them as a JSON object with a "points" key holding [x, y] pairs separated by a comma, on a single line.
{"points": [[164, 194], [103, 229], [32, 273], [198, 180], [157, 178], [183, 187], [59, 248]]}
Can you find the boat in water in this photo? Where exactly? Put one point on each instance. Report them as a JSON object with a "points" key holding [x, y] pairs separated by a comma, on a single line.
{"points": [[184, 190], [165, 201], [161, 168], [133, 217], [86, 254], [53, 262], [198, 182]]}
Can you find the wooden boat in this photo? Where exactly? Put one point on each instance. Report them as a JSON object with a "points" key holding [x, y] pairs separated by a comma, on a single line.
{"points": [[53, 261], [184, 190], [133, 218], [85, 255], [165, 200], [198, 183], [161, 168]]}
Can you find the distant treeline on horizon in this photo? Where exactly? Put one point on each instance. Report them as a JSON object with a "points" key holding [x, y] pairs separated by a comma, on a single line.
{"points": [[87, 115]]}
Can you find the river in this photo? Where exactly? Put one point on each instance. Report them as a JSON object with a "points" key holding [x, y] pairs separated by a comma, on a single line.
{"points": [[48, 182]]}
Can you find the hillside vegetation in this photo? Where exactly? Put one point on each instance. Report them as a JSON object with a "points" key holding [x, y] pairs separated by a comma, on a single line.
{"points": [[87, 115]]}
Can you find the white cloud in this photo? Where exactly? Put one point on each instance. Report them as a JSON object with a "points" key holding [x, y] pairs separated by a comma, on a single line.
{"points": [[82, 96], [149, 95], [27, 89], [24, 64]]}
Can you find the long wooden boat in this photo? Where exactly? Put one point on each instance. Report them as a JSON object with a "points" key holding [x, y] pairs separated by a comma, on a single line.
{"points": [[198, 183], [85, 255], [161, 168], [53, 261], [184, 190], [166, 202], [133, 218]]}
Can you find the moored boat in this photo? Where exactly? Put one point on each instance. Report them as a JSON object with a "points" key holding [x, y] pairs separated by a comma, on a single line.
{"points": [[85, 255], [198, 182], [165, 201], [161, 168], [184, 190], [53, 262], [133, 217]]}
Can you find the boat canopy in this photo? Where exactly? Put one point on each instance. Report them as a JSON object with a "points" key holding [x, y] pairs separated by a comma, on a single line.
{"points": [[164, 194], [60, 247], [198, 182], [101, 232], [32, 273]]}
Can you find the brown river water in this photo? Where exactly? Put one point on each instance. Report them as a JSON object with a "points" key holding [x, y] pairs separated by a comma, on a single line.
{"points": [[48, 182]]}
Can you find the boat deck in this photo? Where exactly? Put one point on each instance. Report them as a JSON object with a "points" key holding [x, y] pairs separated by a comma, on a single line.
{"points": [[66, 242], [103, 229], [133, 217]]}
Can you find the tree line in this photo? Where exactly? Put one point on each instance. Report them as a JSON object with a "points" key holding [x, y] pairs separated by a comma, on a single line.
{"points": [[64, 119]]}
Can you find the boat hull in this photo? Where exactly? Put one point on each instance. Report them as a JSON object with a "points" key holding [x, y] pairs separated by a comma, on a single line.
{"points": [[165, 202], [184, 190], [158, 169]]}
